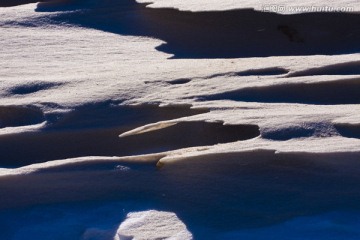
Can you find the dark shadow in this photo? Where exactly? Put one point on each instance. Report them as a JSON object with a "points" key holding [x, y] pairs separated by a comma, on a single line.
{"points": [[221, 192], [14, 116], [262, 72], [190, 134], [93, 130], [289, 133], [348, 68], [251, 72], [111, 114], [51, 145], [32, 88], [12, 3], [348, 130], [334, 92], [227, 34], [259, 189], [179, 81], [272, 71]]}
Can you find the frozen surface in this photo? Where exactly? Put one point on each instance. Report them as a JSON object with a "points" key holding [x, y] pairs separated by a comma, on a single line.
{"points": [[117, 118]]}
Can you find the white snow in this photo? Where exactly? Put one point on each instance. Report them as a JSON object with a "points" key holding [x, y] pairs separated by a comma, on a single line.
{"points": [[152, 225], [95, 71]]}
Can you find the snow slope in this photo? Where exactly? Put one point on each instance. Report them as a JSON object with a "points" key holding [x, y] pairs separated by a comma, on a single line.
{"points": [[242, 123]]}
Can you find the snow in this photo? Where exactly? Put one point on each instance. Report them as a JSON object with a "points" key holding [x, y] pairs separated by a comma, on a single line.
{"points": [[227, 124], [279, 6], [333, 225], [152, 225]]}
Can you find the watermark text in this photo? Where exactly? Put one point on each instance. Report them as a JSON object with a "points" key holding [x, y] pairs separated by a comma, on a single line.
{"points": [[303, 9]]}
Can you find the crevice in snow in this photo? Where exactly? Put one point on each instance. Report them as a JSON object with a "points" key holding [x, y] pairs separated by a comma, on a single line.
{"points": [[90, 130], [347, 68], [270, 71], [180, 81], [32, 87], [303, 130], [176, 135], [326, 93], [14, 116], [348, 130], [262, 72]]}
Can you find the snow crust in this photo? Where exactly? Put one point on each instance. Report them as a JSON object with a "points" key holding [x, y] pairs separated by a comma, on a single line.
{"points": [[281, 122]]}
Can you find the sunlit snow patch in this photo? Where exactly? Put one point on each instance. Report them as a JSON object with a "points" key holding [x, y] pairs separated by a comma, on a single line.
{"points": [[152, 225]]}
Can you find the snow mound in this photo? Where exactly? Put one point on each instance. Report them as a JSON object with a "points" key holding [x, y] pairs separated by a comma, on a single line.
{"points": [[152, 225]]}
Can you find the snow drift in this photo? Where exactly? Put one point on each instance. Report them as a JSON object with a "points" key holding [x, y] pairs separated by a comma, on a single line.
{"points": [[237, 124]]}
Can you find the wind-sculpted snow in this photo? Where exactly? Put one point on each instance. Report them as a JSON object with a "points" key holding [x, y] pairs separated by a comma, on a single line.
{"points": [[67, 138], [211, 194], [347, 68], [229, 34], [180, 81], [32, 87], [121, 119], [331, 92], [12, 116], [250, 72], [93, 130]]}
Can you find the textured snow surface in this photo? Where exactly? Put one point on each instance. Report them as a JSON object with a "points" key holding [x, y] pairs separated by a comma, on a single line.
{"points": [[131, 120], [280, 6], [152, 225]]}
